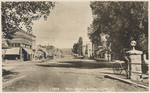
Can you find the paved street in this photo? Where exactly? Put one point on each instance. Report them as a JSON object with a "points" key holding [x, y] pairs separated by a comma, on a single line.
{"points": [[63, 74]]}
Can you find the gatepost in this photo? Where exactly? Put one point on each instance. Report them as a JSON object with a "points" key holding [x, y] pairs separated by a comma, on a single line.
{"points": [[135, 64]]}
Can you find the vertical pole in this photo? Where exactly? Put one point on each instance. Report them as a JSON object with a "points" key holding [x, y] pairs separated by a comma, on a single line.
{"points": [[129, 68], [108, 55], [107, 51], [21, 59]]}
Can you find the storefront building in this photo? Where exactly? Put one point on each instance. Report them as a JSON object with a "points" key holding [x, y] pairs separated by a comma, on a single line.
{"points": [[21, 47]]}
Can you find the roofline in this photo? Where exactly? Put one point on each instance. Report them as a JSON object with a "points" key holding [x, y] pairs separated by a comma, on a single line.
{"points": [[28, 33]]}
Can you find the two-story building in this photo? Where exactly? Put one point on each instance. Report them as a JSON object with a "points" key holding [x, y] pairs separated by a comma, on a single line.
{"points": [[84, 50], [21, 47], [87, 50]]}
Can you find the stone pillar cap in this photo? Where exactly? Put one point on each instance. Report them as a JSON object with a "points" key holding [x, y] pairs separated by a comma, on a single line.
{"points": [[137, 52]]}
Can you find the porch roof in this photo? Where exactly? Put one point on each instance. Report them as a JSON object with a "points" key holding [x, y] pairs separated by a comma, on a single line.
{"points": [[12, 51]]}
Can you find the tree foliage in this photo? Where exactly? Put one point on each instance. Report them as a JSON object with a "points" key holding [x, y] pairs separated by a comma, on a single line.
{"points": [[77, 47], [80, 42], [122, 21], [17, 14]]}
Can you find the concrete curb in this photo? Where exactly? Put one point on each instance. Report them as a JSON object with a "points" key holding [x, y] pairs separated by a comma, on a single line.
{"points": [[12, 81], [125, 81]]}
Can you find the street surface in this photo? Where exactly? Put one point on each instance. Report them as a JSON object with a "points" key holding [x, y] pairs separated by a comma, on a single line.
{"points": [[64, 74]]}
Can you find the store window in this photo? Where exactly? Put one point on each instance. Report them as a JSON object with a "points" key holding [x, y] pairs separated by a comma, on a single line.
{"points": [[16, 45]]}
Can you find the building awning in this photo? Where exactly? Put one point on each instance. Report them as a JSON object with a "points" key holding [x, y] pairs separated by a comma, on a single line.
{"points": [[12, 51], [29, 51]]}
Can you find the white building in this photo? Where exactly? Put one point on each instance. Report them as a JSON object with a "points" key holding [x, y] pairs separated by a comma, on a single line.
{"points": [[89, 50], [84, 50]]}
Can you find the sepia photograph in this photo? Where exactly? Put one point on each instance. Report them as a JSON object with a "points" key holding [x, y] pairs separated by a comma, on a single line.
{"points": [[74, 46]]}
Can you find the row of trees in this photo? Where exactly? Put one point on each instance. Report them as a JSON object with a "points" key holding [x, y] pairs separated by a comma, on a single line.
{"points": [[77, 47], [18, 14], [123, 22]]}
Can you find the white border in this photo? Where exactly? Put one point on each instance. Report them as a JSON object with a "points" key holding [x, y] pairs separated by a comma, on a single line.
{"points": [[73, 1]]}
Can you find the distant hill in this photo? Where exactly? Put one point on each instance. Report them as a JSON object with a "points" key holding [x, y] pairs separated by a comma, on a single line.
{"points": [[67, 51]]}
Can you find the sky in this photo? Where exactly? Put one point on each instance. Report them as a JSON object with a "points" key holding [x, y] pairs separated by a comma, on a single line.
{"points": [[65, 24]]}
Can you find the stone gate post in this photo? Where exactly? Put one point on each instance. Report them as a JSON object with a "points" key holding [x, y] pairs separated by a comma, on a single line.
{"points": [[135, 64]]}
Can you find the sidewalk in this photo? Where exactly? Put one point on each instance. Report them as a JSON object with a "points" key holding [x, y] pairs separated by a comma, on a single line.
{"points": [[122, 77]]}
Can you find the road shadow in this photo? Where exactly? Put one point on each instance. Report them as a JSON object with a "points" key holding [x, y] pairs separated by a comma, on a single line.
{"points": [[7, 72], [8, 75], [79, 64]]}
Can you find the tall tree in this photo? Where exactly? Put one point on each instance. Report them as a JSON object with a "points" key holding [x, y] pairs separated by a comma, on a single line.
{"points": [[123, 22], [80, 42], [75, 48], [16, 14]]}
